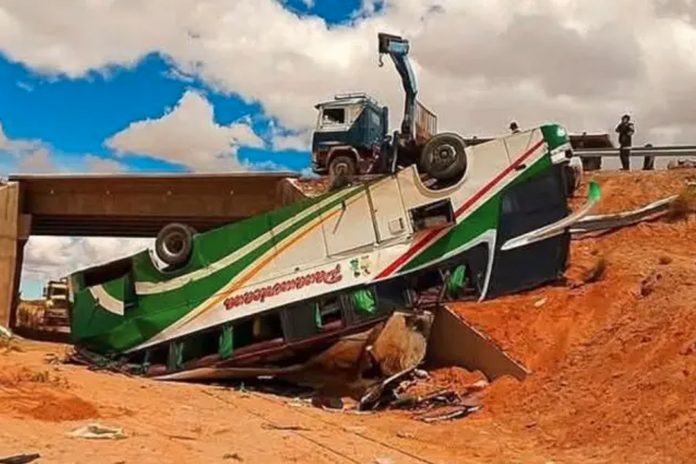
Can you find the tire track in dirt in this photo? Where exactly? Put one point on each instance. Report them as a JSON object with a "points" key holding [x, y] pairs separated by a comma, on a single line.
{"points": [[350, 445]]}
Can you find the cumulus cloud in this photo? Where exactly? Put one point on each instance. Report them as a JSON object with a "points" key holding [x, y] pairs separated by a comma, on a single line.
{"points": [[296, 142], [31, 156], [98, 165], [188, 135], [289, 140], [479, 63], [48, 257], [37, 162]]}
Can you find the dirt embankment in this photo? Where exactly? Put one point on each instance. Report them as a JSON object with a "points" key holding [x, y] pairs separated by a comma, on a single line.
{"points": [[613, 365], [613, 361]]}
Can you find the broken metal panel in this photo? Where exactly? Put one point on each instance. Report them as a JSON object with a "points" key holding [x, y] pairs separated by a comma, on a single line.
{"points": [[455, 342], [624, 218]]}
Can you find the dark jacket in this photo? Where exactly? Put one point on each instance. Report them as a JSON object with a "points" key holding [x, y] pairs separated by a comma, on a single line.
{"points": [[625, 131]]}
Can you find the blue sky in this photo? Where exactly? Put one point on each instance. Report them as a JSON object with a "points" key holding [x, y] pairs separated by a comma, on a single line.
{"points": [[73, 117]]}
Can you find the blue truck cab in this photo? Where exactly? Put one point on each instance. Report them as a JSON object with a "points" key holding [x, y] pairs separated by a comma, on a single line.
{"points": [[350, 134]]}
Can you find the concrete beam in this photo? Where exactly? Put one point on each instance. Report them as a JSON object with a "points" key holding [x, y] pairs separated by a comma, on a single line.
{"points": [[139, 206], [10, 251]]}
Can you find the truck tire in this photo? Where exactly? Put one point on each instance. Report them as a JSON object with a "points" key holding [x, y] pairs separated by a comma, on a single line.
{"points": [[174, 244], [343, 165], [443, 156]]}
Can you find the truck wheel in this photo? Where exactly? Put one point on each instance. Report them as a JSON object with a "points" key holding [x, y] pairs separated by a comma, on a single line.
{"points": [[342, 165], [443, 156], [174, 244]]}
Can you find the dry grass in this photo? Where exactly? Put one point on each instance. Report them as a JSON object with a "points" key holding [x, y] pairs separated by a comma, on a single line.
{"points": [[596, 272], [684, 205]]}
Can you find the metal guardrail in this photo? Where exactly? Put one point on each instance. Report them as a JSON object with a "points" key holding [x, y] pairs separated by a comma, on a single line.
{"points": [[667, 150]]}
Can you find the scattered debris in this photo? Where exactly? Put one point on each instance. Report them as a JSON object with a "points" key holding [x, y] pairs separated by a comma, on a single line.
{"points": [[233, 456], [294, 428], [98, 431], [5, 332], [181, 437], [20, 459], [383, 392], [540, 303], [327, 402], [449, 414], [8, 341], [664, 260]]}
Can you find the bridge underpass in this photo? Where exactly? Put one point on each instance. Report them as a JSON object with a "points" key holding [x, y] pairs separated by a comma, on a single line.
{"points": [[123, 206]]}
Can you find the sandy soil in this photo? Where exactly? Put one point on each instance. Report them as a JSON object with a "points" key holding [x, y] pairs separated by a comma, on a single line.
{"points": [[612, 366]]}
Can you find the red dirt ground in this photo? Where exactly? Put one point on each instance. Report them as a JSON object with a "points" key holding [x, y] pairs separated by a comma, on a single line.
{"points": [[613, 361], [613, 365]]}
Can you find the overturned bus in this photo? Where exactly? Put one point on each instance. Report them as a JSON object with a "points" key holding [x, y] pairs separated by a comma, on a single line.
{"points": [[277, 287]]}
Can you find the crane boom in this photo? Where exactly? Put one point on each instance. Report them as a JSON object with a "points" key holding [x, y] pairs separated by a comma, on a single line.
{"points": [[397, 48]]}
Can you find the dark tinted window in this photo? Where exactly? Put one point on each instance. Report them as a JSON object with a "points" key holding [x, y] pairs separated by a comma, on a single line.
{"points": [[544, 192], [334, 116]]}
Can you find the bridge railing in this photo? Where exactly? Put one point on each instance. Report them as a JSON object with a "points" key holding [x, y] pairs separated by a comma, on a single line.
{"points": [[657, 151]]}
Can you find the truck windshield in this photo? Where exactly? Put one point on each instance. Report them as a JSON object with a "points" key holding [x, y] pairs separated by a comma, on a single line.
{"points": [[333, 116]]}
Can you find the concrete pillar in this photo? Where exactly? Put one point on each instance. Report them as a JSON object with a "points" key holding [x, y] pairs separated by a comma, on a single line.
{"points": [[10, 262]]}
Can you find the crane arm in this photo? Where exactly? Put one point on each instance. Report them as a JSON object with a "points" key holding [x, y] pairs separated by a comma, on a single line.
{"points": [[397, 48]]}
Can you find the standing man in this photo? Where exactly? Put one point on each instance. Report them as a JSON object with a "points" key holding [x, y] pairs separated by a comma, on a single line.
{"points": [[625, 129]]}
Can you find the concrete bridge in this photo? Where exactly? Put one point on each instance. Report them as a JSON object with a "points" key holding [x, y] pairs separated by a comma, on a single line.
{"points": [[123, 206]]}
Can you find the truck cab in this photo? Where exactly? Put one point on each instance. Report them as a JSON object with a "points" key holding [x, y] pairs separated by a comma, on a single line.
{"points": [[350, 134]]}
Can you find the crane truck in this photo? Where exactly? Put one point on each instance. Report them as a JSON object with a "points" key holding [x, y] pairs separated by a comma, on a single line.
{"points": [[352, 132]]}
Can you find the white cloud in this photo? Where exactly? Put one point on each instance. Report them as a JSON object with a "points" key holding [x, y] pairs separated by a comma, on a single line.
{"points": [[96, 164], [479, 63], [187, 135], [37, 162], [287, 140], [49, 257], [297, 142], [4, 141], [17, 147], [30, 156]]}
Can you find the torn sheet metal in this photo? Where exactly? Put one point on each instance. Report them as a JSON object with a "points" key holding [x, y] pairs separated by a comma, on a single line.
{"points": [[622, 219], [455, 342]]}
